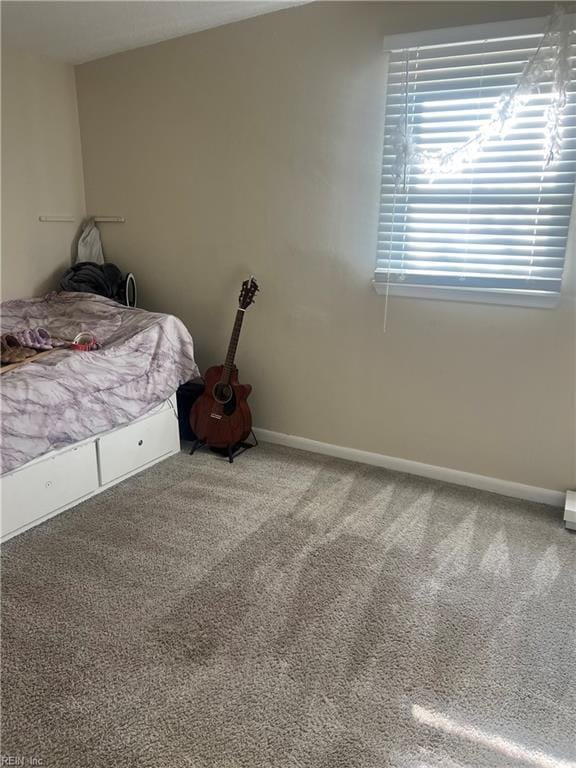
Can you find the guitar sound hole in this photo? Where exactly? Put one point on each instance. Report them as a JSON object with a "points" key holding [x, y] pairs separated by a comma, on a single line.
{"points": [[222, 393]]}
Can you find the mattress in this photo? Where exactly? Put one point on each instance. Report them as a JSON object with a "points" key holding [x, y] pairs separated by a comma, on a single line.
{"points": [[67, 395]]}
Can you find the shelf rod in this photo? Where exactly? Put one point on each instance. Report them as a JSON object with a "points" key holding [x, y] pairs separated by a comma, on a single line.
{"points": [[100, 219]]}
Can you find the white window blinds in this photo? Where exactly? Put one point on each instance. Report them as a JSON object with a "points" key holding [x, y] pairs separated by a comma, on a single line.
{"points": [[496, 228]]}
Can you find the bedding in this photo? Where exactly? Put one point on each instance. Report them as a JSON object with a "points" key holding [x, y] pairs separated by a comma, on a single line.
{"points": [[68, 395]]}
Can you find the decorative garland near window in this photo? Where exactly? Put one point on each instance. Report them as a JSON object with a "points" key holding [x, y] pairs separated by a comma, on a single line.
{"points": [[551, 61], [478, 162]]}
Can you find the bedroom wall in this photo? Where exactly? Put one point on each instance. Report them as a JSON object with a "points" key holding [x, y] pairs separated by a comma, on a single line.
{"points": [[41, 171], [256, 148]]}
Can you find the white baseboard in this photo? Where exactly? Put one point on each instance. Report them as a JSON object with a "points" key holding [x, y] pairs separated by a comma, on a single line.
{"points": [[447, 475]]}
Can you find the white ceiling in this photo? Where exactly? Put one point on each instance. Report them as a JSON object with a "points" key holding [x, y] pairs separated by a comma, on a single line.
{"points": [[76, 32]]}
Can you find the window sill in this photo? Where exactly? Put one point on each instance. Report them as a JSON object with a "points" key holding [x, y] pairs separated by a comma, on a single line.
{"points": [[474, 295]]}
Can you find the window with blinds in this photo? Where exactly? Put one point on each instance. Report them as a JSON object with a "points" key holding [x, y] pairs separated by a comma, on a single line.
{"points": [[496, 229]]}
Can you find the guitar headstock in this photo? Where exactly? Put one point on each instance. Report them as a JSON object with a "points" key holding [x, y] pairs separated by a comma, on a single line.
{"points": [[248, 293]]}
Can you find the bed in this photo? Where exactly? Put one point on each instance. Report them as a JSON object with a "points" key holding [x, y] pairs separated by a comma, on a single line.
{"points": [[99, 415]]}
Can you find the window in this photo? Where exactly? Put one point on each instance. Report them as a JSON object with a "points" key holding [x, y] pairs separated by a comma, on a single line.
{"points": [[493, 226]]}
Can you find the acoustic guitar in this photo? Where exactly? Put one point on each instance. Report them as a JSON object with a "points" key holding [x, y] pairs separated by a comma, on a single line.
{"points": [[220, 417]]}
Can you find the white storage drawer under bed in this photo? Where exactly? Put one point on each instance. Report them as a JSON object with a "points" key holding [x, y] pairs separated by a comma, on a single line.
{"points": [[123, 452], [51, 484]]}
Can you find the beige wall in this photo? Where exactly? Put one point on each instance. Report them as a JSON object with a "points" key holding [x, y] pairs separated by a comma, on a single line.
{"points": [[41, 171], [256, 148]]}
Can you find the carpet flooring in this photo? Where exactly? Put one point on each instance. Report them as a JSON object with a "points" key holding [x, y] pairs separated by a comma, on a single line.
{"points": [[290, 611]]}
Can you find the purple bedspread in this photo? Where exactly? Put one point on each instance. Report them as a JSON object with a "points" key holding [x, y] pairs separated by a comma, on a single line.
{"points": [[69, 396]]}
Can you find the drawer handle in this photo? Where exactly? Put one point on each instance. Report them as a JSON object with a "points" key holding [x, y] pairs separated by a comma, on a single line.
{"points": [[140, 442]]}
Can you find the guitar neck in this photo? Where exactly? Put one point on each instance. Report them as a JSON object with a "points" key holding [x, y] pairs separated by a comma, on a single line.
{"points": [[233, 346]]}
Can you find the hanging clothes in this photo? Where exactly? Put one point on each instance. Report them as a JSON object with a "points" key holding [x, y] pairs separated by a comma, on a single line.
{"points": [[90, 244]]}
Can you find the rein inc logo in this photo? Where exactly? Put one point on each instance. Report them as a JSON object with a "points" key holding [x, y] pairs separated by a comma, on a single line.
{"points": [[20, 760]]}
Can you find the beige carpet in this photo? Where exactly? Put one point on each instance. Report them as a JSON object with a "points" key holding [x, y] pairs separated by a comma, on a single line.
{"points": [[291, 611]]}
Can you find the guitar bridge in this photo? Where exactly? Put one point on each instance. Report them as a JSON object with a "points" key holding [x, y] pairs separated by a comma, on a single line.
{"points": [[215, 416]]}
